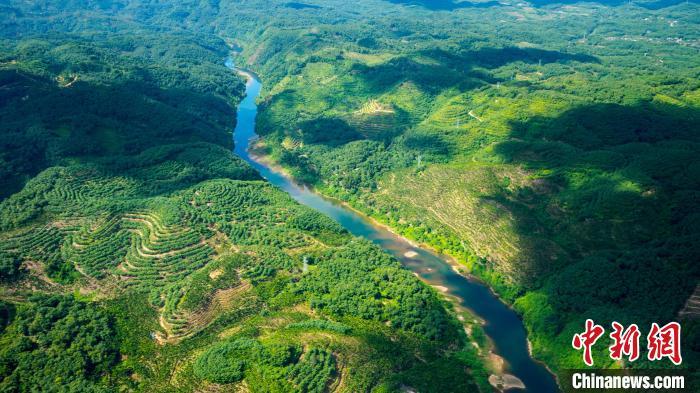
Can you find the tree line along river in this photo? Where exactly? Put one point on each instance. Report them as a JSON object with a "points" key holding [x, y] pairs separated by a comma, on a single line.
{"points": [[501, 324]]}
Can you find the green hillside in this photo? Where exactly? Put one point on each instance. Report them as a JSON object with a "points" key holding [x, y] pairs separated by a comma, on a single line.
{"points": [[551, 148], [137, 253]]}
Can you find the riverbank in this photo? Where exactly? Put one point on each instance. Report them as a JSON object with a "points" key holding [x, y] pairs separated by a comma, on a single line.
{"points": [[494, 326], [499, 379]]}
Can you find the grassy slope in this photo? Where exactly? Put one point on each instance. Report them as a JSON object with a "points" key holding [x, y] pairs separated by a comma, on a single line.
{"points": [[543, 147], [127, 199]]}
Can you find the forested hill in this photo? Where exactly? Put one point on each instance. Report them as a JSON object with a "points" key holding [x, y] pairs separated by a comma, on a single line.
{"points": [[71, 96], [551, 147], [137, 253]]}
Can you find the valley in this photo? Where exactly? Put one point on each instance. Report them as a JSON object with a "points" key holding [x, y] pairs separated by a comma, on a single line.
{"points": [[437, 196]]}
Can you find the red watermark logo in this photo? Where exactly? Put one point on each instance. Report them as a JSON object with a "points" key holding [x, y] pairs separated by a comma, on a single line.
{"points": [[662, 342], [625, 342], [665, 342]]}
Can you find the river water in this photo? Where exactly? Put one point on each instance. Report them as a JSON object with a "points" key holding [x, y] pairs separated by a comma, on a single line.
{"points": [[502, 325]]}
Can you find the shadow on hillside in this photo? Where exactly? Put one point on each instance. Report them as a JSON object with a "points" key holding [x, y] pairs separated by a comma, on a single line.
{"points": [[438, 69], [650, 5], [49, 123], [336, 131], [431, 71], [451, 5], [617, 190], [300, 6], [328, 131], [497, 57], [431, 147], [445, 5]]}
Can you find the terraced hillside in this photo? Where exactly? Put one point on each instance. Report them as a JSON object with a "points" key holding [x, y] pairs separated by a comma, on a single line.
{"points": [[541, 145], [137, 253], [224, 259]]}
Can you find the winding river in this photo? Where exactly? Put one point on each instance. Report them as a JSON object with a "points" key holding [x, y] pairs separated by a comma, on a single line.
{"points": [[502, 325]]}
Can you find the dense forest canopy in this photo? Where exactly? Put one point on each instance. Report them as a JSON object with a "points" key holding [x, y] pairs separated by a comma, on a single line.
{"points": [[137, 253], [542, 161], [545, 145], [543, 165]]}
